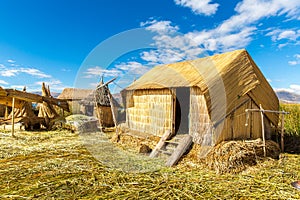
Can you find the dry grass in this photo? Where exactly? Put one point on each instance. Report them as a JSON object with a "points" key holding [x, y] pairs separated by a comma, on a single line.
{"points": [[292, 120], [56, 165], [236, 156]]}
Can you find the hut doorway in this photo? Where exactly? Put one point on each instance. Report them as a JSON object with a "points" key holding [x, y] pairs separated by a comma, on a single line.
{"points": [[182, 110]]}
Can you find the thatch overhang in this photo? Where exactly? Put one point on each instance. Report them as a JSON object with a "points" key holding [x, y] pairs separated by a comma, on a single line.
{"points": [[236, 70]]}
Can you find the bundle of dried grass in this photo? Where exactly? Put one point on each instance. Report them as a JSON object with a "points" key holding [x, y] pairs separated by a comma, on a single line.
{"points": [[236, 156]]}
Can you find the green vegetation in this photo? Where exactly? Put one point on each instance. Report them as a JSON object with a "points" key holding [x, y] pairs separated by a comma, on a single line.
{"points": [[292, 120], [56, 165]]}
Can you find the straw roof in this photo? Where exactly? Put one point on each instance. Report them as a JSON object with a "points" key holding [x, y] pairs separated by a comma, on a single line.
{"points": [[235, 69], [74, 93]]}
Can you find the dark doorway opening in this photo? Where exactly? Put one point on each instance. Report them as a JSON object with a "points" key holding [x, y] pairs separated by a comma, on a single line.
{"points": [[182, 110]]}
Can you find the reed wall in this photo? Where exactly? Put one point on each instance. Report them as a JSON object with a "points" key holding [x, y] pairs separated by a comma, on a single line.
{"points": [[150, 111], [200, 124]]}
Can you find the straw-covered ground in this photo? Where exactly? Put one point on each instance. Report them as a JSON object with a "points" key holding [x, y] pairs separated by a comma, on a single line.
{"points": [[57, 165]]}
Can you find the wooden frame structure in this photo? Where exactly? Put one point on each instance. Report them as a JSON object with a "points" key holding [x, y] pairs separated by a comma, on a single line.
{"points": [[15, 99]]}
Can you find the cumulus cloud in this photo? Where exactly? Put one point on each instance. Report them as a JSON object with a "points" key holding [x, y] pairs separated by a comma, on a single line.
{"points": [[132, 68], [238, 30], [292, 62], [296, 60], [34, 72], [234, 33], [97, 71], [14, 70], [2, 82], [160, 27], [171, 46], [293, 88], [287, 35], [11, 61], [199, 7], [7, 72]]}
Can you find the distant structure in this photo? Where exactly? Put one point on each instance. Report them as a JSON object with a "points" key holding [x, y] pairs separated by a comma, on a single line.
{"points": [[74, 96]]}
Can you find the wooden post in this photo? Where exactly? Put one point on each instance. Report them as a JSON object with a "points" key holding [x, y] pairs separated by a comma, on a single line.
{"points": [[6, 112], [263, 129], [112, 107], [13, 118], [282, 133]]}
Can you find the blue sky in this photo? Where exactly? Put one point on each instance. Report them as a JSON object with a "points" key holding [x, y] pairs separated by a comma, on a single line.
{"points": [[67, 43]]}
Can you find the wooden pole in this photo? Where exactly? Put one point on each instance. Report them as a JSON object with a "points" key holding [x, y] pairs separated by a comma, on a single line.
{"points": [[112, 107], [263, 129], [6, 112], [13, 118], [282, 133]]}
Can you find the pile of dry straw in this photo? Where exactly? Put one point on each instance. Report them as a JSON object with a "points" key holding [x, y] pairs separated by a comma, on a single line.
{"points": [[236, 156]]}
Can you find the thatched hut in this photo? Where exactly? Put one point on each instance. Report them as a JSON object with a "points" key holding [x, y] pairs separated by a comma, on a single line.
{"points": [[187, 98], [74, 96]]}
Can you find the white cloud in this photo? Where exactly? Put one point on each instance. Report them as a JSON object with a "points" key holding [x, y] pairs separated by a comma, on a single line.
{"points": [[2, 82], [288, 34], [234, 33], [98, 71], [11, 61], [293, 88], [296, 61], [199, 7], [170, 45], [293, 62], [160, 27], [237, 31], [11, 72], [34, 72], [132, 68]]}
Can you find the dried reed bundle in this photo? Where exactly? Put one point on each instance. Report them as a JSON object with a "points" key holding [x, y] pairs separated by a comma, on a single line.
{"points": [[236, 156]]}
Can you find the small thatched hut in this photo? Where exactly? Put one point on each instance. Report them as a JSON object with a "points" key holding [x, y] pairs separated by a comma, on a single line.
{"points": [[205, 98], [74, 96]]}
